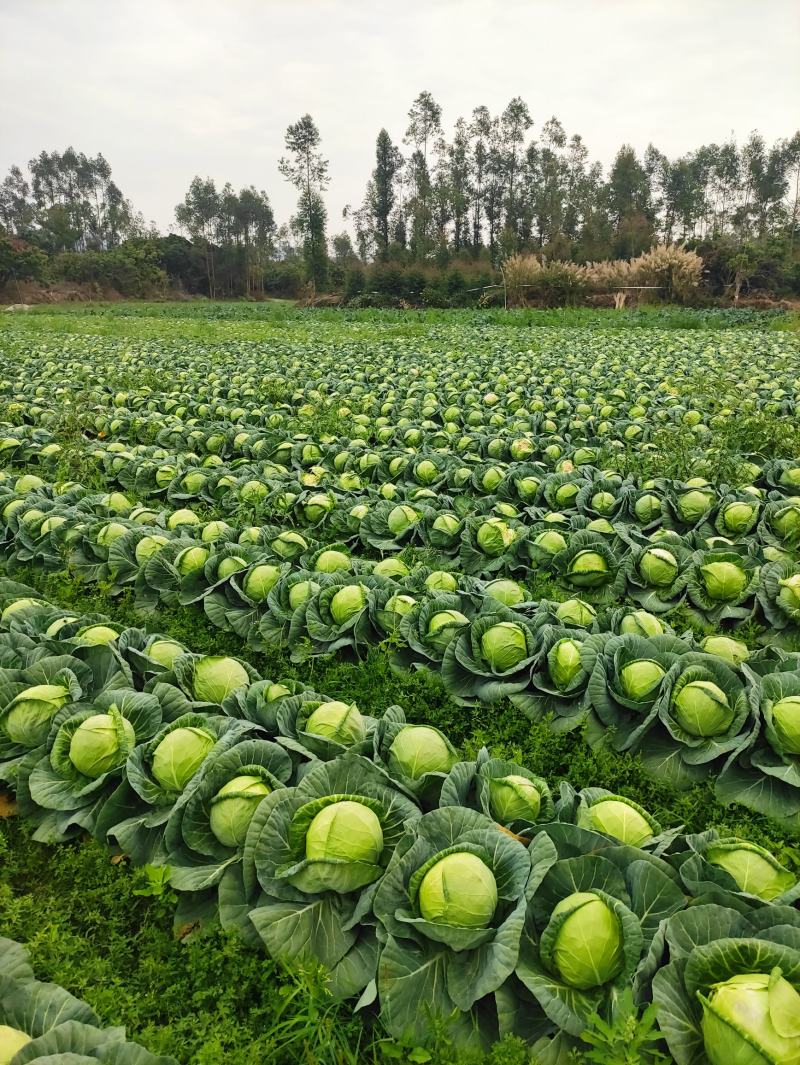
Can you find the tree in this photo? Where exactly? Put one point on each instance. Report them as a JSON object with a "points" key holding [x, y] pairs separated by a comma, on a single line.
{"points": [[424, 123], [630, 206], [381, 192], [515, 121], [307, 170], [198, 214]]}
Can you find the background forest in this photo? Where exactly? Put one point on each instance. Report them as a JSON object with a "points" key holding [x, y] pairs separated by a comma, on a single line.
{"points": [[441, 212]]}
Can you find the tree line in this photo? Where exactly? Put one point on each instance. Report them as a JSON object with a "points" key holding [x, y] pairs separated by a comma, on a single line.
{"points": [[494, 186]]}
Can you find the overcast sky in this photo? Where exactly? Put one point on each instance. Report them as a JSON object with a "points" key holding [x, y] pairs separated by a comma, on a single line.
{"points": [[167, 89]]}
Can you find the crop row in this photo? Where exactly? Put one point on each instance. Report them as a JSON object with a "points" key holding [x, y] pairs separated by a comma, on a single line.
{"points": [[688, 708], [370, 846]]}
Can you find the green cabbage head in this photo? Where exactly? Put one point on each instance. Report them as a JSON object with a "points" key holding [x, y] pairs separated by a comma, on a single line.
{"points": [[442, 627], [401, 518], [179, 755], [216, 676], [337, 721], [724, 581], [506, 591], [495, 536], [420, 749], [342, 832], [191, 559], [583, 941], [31, 712], [12, 1040], [786, 723], [347, 602], [260, 581], [641, 623], [621, 819], [101, 743], [576, 612], [504, 646], [588, 569], [752, 867], [514, 798], [640, 679], [332, 561], [732, 651], [164, 652], [658, 567], [701, 708], [564, 662], [233, 806], [751, 1019], [458, 889]]}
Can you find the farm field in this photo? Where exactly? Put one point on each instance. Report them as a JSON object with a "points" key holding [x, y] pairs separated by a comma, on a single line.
{"points": [[383, 686]]}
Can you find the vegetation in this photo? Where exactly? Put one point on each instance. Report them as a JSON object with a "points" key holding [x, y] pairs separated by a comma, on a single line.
{"points": [[292, 638], [434, 226]]}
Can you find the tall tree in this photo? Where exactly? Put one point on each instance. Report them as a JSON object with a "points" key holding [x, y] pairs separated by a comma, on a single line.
{"points": [[515, 121], [198, 214], [307, 170], [424, 125], [382, 190]]}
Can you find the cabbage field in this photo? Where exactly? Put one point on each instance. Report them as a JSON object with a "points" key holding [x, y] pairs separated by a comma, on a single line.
{"points": [[433, 679]]}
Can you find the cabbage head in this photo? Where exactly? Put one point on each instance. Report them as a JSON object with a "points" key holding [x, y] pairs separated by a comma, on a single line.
{"points": [[442, 627], [12, 1040], [504, 646], [101, 743], [420, 749], [658, 567], [440, 580], [640, 680], [29, 714], [620, 818], [514, 798], [724, 581], [495, 536], [179, 755], [216, 676], [401, 518], [564, 662], [641, 623], [582, 943], [233, 807], [752, 867], [701, 708], [332, 561], [337, 721], [191, 559], [576, 612], [344, 832], [458, 889], [587, 569], [260, 581], [506, 591], [732, 651], [347, 602], [751, 1019]]}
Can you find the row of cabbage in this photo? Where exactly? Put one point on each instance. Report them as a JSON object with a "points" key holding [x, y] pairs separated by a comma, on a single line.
{"points": [[720, 577], [443, 892], [408, 392], [450, 893], [42, 1024], [688, 708], [282, 474]]}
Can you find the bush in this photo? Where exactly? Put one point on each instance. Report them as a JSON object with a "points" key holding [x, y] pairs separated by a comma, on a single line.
{"points": [[20, 262]]}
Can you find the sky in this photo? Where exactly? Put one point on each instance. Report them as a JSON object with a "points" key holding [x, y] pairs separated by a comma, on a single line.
{"points": [[167, 89]]}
